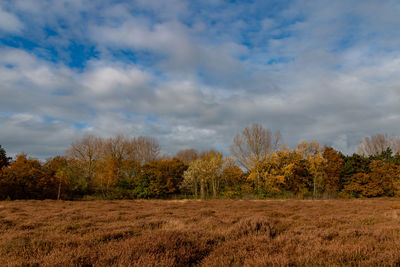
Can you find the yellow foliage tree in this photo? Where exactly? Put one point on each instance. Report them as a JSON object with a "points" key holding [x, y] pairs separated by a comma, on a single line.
{"points": [[312, 152], [106, 175], [205, 174]]}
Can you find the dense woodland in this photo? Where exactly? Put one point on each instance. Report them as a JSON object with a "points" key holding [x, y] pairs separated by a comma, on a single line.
{"points": [[259, 166]]}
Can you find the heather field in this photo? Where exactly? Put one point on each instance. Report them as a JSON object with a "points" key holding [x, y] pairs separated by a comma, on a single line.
{"points": [[204, 233]]}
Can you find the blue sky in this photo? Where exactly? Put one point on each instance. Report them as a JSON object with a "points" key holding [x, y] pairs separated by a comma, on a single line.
{"points": [[195, 73]]}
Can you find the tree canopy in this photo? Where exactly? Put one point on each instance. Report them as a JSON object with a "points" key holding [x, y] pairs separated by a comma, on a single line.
{"points": [[258, 167]]}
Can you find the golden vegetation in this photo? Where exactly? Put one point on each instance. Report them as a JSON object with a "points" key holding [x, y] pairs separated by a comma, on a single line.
{"points": [[204, 233]]}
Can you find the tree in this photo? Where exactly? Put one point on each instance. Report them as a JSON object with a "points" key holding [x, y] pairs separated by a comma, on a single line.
{"points": [[384, 176], [4, 160], [57, 178], [159, 178], [387, 156], [381, 180], [333, 169], [283, 171], [268, 176], [312, 153], [297, 177], [187, 155], [376, 144], [113, 152], [21, 179], [203, 175], [106, 175], [171, 174], [78, 185], [233, 180], [147, 183], [86, 153], [358, 185], [352, 165], [253, 145], [107, 163], [143, 149], [191, 178], [213, 164]]}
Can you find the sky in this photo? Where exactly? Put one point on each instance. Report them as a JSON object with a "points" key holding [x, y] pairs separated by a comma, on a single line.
{"points": [[193, 74]]}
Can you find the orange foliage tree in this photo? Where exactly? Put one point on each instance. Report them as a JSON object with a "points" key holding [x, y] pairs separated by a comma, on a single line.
{"points": [[381, 180], [333, 168], [21, 179]]}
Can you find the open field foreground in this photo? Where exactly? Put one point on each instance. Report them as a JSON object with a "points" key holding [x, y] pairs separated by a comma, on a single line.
{"points": [[205, 233]]}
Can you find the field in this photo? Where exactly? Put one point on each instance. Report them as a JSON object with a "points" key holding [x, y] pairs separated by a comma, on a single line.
{"points": [[205, 233]]}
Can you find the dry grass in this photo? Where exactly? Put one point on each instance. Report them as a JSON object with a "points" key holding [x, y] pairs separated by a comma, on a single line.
{"points": [[206, 233]]}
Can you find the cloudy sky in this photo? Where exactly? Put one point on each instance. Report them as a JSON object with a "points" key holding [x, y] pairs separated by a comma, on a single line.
{"points": [[195, 73]]}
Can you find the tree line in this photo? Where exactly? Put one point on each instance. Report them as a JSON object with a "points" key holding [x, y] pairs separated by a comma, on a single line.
{"points": [[259, 166]]}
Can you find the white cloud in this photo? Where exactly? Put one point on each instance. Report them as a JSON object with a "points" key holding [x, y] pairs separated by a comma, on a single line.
{"points": [[109, 80], [9, 22]]}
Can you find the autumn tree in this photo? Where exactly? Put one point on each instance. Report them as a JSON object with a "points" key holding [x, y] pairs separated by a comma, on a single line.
{"points": [[106, 175], [212, 170], [203, 175], [192, 179], [333, 168], [171, 174], [284, 171], [311, 151], [252, 146], [109, 165], [268, 176], [385, 176], [21, 179], [57, 178], [298, 180], [159, 178], [382, 180]]}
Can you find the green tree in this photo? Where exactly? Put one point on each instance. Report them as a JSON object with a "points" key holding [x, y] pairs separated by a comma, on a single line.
{"points": [[4, 160], [352, 165], [159, 179]]}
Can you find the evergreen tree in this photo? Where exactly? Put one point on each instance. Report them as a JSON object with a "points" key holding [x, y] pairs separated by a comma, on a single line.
{"points": [[4, 160]]}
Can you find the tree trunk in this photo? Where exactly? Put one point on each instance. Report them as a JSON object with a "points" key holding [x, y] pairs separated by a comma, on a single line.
{"points": [[195, 187], [202, 188], [214, 184], [315, 188], [59, 190]]}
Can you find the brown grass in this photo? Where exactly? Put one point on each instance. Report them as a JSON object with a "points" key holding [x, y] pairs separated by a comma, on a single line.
{"points": [[206, 233]]}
